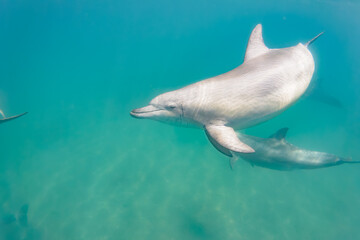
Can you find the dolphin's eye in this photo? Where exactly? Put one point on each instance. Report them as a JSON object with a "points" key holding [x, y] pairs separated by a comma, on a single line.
{"points": [[171, 106]]}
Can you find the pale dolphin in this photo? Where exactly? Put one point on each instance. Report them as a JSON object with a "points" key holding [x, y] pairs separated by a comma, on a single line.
{"points": [[267, 83], [5, 119], [277, 153]]}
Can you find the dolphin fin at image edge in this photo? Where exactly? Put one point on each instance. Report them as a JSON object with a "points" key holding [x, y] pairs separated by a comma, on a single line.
{"points": [[12, 118]]}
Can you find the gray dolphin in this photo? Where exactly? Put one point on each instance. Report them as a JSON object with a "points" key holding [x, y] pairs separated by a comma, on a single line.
{"points": [[277, 153], [6, 119], [21, 217], [267, 83], [16, 226]]}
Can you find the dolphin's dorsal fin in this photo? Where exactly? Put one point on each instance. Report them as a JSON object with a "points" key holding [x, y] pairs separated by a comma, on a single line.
{"points": [[256, 46], [280, 134], [225, 140]]}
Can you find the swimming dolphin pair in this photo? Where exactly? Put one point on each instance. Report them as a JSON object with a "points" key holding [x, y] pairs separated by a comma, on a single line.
{"points": [[267, 83], [6, 119]]}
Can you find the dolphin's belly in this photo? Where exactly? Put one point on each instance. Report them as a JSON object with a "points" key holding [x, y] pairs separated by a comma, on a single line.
{"points": [[257, 90]]}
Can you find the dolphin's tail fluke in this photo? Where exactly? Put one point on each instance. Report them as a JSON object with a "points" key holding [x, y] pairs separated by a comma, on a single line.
{"points": [[349, 160], [11, 118], [312, 40]]}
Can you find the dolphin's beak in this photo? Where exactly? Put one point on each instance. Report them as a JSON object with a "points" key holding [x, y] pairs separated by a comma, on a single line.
{"points": [[144, 112]]}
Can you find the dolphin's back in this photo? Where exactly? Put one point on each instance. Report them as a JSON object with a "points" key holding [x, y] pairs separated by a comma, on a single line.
{"points": [[256, 90]]}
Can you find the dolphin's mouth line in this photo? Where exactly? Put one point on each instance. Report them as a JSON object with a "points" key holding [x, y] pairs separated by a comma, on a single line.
{"points": [[138, 114], [143, 112]]}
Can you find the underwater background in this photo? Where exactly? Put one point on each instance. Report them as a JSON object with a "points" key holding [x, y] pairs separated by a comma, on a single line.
{"points": [[87, 170]]}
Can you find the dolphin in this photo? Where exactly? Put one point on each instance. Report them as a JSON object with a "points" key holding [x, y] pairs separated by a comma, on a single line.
{"points": [[277, 153], [5, 119], [267, 83], [20, 217], [16, 226]]}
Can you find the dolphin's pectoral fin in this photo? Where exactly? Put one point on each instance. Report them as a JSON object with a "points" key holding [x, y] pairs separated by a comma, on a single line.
{"points": [[256, 46], [12, 118], [225, 140], [218, 146]]}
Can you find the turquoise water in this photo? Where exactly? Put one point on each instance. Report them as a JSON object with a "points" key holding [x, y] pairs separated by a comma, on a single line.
{"points": [[87, 170]]}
